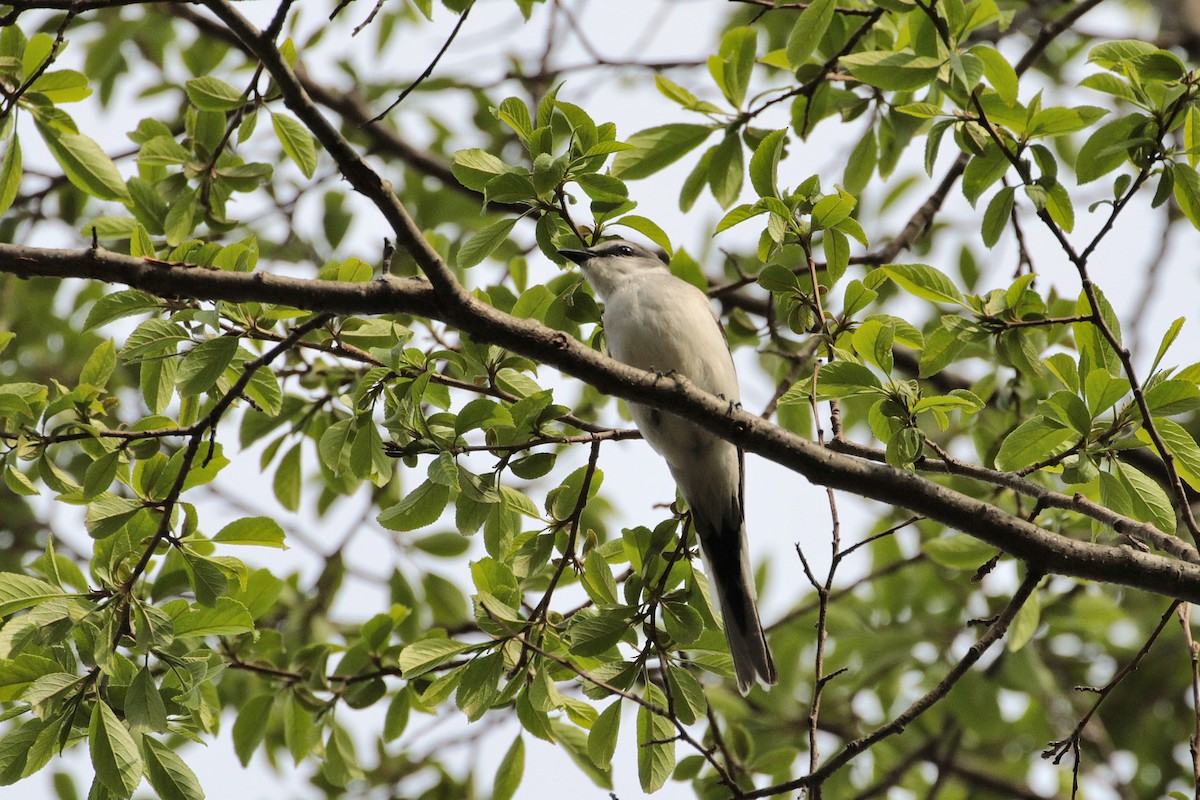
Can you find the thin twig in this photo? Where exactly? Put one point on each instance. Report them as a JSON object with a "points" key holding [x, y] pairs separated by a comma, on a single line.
{"points": [[1185, 621], [1057, 749], [429, 69], [853, 748]]}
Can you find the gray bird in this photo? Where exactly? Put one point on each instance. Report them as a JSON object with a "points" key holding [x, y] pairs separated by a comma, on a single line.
{"points": [[658, 322]]}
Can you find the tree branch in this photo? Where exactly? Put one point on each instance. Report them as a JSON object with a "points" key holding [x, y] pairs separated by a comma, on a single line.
{"points": [[1041, 548]]}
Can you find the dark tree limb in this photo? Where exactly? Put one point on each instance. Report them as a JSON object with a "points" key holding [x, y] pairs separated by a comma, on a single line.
{"points": [[1042, 549]]}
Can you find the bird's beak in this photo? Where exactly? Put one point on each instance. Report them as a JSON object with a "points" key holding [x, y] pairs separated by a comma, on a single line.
{"points": [[578, 256]]}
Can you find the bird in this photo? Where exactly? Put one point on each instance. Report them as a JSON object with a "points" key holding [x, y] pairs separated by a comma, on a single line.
{"points": [[658, 322]]}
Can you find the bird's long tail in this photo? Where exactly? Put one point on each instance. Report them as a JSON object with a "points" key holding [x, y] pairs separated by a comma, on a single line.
{"points": [[725, 555]]}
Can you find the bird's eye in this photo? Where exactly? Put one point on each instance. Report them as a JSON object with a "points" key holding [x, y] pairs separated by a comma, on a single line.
{"points": [[625, 250]]}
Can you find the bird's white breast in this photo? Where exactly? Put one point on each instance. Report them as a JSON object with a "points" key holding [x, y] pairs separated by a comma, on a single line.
{"points": [[660, 323]]}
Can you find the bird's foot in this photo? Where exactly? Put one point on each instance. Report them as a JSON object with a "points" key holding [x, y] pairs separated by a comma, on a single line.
{"points": [[660, 374], [734, 405]]}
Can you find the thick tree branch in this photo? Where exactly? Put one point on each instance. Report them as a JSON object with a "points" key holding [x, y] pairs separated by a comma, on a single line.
{"points": [[1042, 549]]}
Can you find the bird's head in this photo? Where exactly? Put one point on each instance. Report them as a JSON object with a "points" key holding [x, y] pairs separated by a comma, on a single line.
{"points": [[610, 262]]}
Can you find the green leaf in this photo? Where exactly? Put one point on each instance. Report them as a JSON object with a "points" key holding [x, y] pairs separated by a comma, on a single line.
{"points": [[942, 347], [213, 94], [1060, 121], [656, 743], [100, 365], [996, 218], [18, 674], [1094, 349], [425, 654], [250, 728], [1170, 397], [925, 282], [1106, 149], [300, 733], [690, 702], [598, 580], [1167, 340], [574, 741], [227, 617], [1025, 623], [85, 164], [18, 482], [920, 110], [515, 113], [904, 447], [647, 228], [144, 707], [656, 148], [892, 71], [10, 175], [1150, 501], [1110, 84], [837, 253], [297, 142], [170, 776], [983, 171], [118, 305], [510, 771], [1187, 192], [1033, 440], [726, 170], [206, 578], [873, 342], [602, 740], [999, 72], [475, 167], [1102, 390], [261, 531], [808, 31], [764, 164], [114, 752], [673, 91], [1114, 54], [738, 215], [420, 507], [593, 632], [396, 717], [163, 151], [845, 379], [204, 364], [478, 686], [959, 551], [484, 242], [832, 210], [62, 86], [1181, 445], [860, 166], [37, 50], [287, 481], [682, 622], [19, 591], [1191, 136], [735, 63]]}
